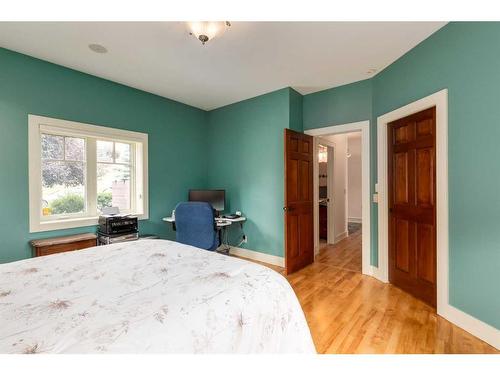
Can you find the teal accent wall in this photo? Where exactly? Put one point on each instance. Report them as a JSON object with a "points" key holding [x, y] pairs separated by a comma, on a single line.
{"points": [[246, 158], [177, 139], [340, 105], [296, 111], [462, 57]]}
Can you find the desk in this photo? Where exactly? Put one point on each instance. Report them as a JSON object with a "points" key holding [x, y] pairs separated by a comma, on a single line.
{"points": [[222, 224]]}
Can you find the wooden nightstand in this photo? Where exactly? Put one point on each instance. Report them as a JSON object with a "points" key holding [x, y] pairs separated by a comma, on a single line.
{"points": [[56, 245]]}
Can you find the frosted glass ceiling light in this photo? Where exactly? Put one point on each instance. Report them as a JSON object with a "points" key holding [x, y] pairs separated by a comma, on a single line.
{"points": [[207, 30]]}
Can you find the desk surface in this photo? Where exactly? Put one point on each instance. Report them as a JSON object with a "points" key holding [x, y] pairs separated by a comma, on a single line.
{"points": [[222, 222]]}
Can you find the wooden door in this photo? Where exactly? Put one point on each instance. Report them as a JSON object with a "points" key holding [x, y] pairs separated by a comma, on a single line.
{"points": [[412, 204], [298, 209]]}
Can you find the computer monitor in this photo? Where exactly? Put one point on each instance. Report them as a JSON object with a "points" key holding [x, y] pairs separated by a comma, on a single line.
{"points": [[217, 198]]}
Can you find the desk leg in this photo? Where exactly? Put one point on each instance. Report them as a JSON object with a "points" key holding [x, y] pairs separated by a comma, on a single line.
{"points": [[224, 243]]}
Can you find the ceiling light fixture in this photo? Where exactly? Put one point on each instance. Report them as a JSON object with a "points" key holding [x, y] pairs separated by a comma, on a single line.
{"points": [[97, 48], [207, 30]]}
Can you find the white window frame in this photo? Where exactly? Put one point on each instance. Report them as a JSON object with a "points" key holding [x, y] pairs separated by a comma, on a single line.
{"points": [[139, 180]]}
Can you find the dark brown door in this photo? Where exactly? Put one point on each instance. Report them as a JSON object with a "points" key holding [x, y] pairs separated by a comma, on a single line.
{"points": [[412, 204], [298, 209]]}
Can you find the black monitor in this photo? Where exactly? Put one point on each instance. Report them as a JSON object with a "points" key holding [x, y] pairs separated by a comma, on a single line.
{"points": [[217, 198]]}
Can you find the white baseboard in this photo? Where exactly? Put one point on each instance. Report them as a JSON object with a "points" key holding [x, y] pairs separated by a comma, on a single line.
{"points": [[354, 220], [474, 326], [378, 274], [255, 255], [468, 323], [341, 236]]}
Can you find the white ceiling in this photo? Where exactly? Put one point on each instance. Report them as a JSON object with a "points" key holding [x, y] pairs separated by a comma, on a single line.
{"points": [[250, 59]]}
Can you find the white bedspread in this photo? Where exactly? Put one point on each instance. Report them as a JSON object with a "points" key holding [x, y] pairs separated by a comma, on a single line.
{"points": [[151, 296]]}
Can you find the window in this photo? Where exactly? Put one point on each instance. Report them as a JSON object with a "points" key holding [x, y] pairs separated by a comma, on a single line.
{"points": [[76, 170]]}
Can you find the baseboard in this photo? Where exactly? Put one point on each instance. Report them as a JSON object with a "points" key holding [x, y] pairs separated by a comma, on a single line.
{"points": [[355, 220], [378, 274], [468, 323], [255, 255], [474, 326], [341, 236]]}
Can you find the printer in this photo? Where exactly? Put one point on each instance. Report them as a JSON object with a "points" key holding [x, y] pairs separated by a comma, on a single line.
{"points": [[117, 228], [117, 224]]}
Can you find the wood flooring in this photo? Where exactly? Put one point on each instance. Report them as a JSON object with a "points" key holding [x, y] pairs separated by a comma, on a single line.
{"points": [[348, 312]]}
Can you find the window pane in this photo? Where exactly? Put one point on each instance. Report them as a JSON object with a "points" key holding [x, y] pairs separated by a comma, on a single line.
{"points": [[52, 147], [122, 153], [75, 148], [105, 151], [113, 186], [63, 187]]}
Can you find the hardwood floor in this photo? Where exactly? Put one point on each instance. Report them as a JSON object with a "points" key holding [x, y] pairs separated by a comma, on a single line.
{"points": [[348, 312]]}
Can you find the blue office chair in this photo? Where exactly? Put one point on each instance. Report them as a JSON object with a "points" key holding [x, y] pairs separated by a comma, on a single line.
{"points": [[195, 225]]}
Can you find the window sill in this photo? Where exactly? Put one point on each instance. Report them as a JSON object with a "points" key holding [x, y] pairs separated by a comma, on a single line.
{"points": [[44, 226]]}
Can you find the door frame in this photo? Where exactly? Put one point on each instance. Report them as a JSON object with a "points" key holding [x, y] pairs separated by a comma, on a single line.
{"points": [[330, 170], [364, 127], [440, 101], [458, 317]]}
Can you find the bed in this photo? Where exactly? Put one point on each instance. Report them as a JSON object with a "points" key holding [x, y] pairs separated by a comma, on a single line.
{"points": [[148, 296]]}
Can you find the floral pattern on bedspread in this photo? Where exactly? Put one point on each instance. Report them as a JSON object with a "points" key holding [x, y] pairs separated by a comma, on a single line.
{"points": [[149, 296]]}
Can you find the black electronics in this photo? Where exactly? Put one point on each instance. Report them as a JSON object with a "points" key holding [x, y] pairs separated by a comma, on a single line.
{"points": [[117, 224], [217, 198], [107, 239]]}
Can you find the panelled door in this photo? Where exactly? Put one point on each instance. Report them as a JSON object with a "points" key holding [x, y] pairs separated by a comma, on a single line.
{"points": [[298, 209], [412, 204]]}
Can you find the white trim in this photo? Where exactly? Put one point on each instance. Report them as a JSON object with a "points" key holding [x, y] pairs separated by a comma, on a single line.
{"points": [[355, 220], [476, 327], [440, 101], [258, 256], [316, 196], [86, 130], [364, 127], [341, 236], [138, 141]]}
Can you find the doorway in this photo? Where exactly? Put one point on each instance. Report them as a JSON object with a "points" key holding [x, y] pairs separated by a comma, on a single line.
{"points": [[411, 171], [325, 150], [339, 189], [337, 138], [439, 100]]}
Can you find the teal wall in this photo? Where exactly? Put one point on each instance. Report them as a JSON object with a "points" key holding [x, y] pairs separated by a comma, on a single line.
{"points": [[177, 135], [246, 158], [340, 105], [462, 57], [296, 111]]}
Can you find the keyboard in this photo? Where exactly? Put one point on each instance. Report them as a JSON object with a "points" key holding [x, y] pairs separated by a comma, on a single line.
{"points": [[231, 216]]}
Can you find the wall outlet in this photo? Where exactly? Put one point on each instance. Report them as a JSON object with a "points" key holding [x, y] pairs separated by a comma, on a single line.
{"points": [[245, 238]]}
